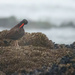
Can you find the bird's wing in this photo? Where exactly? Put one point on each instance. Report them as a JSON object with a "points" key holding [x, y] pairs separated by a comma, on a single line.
{"points": [[12, 33]]}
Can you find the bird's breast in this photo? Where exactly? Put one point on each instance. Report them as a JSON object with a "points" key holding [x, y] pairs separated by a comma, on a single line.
{"points": [[15, 34], [21, 31]]}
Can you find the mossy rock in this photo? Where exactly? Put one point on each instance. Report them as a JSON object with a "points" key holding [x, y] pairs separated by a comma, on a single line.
{"points": [[3, 33], [29, 58], [36, 39]]}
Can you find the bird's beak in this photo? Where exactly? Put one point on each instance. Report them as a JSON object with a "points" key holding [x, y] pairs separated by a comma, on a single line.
{"points": [[21, 25]]}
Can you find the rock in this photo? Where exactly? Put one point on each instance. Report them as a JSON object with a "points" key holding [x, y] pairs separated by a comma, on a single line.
{"points": [[3, 33], [62, 45], [57, 46], [73, 65], [1, 73], [68, 46], [54, 70], [65, 60], [37, 55], [36, 39], [73, 73], [3, 41], [14, 73], [62, 70], [18, 73], [73, 45], [31, 59]]}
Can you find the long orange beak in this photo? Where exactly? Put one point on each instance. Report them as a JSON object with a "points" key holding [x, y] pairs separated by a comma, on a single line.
{"points": [[21, 25]]}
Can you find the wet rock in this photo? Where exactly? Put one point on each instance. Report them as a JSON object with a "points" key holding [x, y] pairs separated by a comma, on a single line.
{"points": [[67, 46], [62, 70], [57, 46], [47, 73], [62, 45], [54, 70], [65, 60], [73, 73], [73, 65], [73, 45]]}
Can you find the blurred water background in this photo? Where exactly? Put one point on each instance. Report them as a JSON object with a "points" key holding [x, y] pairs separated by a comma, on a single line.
{"points": [[55, 18]]}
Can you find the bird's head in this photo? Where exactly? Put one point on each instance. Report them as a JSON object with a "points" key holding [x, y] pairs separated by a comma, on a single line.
{"points": [[22, 23]]}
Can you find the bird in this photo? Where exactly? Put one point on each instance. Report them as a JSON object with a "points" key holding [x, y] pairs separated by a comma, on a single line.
{"points": [[16, 32]]}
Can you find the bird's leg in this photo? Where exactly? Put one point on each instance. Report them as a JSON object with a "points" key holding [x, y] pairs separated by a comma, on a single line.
{"points": [[16, 43]]}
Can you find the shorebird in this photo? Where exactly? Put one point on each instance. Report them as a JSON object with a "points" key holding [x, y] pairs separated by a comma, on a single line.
{"points": [[16, 32]]}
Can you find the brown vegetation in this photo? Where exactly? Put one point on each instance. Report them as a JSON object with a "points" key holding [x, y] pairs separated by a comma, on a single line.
{"points": [[35, 51], [29, 58]]}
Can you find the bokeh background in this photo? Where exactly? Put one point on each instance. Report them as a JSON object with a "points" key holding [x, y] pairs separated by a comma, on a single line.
{"points": [[55, 18]]}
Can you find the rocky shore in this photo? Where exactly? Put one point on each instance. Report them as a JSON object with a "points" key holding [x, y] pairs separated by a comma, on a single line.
{"points": [[37, 55]]}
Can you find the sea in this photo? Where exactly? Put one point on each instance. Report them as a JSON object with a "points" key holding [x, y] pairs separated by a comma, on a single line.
{"points": [[52, 11]]}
